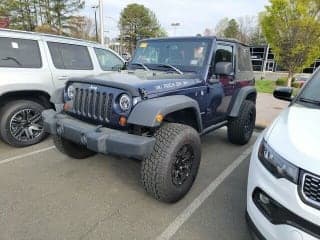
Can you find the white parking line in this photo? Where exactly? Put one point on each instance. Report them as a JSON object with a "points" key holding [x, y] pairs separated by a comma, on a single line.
{"points": [[186, 214], [256, 134], [26, 155]]}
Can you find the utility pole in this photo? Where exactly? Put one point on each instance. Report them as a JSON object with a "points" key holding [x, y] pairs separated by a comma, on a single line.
{"points": [[101, 22], [96, 22], [120, 30], [175, 26]]}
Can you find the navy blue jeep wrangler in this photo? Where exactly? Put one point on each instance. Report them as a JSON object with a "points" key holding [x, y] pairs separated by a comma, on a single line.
{"points": [[173, 91]]}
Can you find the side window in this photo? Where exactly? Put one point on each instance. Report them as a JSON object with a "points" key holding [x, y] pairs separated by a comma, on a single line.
{"points": [[224, 53], [244, 59], [69, 56], [19, 53], [107, 60]]}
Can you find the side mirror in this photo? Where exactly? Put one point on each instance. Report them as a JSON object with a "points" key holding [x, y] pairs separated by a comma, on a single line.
{"points": [[223, 68], [125, 65], [283, 93]]}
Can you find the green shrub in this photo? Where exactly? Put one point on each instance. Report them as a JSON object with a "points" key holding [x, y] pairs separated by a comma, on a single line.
{"points": [[265, 86], [296, 85], [281, 82]]}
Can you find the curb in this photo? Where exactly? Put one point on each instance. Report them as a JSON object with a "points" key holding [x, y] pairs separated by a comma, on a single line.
{"points": [[260, 126]]}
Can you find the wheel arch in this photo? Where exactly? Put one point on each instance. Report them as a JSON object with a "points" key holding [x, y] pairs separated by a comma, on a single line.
{"points": [[245, 93], [173, 108], [38, 96]]}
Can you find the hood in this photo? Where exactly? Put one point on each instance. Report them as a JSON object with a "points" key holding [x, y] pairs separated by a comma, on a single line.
{"points": [[295, 135], [153, 82]]}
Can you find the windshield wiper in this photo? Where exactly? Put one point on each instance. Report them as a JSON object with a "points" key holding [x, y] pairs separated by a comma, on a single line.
{"points": [[172, 67], [142, 65], [308, 100], [13, 59]]}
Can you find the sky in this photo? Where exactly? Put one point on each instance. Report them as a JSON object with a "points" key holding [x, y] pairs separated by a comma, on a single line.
{"points": [[194, 16]]}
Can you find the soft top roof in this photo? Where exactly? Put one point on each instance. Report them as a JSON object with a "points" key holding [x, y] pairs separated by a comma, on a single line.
{"points": [[197, 37]]}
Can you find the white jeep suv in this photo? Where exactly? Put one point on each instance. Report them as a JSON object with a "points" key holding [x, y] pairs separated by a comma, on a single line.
{"points": [[283, 195], [32, 67]]}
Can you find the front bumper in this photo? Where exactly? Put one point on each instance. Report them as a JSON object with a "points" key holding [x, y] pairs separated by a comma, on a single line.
{"points": [[291, 218], [97, 138]]}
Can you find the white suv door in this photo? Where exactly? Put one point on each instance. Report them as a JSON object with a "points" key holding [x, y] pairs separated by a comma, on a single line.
{"points": [[69, 60]]}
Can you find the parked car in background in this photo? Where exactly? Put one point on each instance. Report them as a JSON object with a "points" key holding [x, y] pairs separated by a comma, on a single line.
{"points": [[32, 67], [283, 196], [301, 79]]}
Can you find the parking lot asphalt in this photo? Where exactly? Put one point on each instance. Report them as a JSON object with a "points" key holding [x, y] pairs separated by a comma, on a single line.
{"points": [[46, 195]]}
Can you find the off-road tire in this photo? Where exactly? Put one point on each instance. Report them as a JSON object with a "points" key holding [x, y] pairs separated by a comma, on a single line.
{"points": [[7, 113], [240, 129], [157, 170], [71, 149]]}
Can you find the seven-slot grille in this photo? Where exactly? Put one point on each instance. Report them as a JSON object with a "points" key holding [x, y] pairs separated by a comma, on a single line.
{"points": [[93, 104], [311, 189]]}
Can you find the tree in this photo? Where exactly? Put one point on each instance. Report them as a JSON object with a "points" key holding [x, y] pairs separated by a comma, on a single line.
{"points": [[61, 13], [21, 12], [138, 22], [247, 25], [232, 29], [208, 32], [29, 15], [221, 27], [81, 27], [292, 29], [257, 37]]}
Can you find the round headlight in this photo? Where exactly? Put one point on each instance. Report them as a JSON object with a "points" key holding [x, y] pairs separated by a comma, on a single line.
{"points": [[125, 102], [70, 92]]}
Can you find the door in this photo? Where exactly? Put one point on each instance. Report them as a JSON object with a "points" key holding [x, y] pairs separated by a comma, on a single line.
{"points": [[220, 88], [69, 60]]}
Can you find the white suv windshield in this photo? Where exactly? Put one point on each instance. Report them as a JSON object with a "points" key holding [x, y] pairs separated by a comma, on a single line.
{"points": [[312, 89], [107, 60]]}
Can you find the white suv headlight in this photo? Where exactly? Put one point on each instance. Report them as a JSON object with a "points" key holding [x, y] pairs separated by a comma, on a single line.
{"points": [[125, 102], [70, 92], [277, 165]]}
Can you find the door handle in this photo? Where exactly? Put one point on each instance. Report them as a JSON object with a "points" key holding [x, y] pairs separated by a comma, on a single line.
{"points": [[63, 78]]}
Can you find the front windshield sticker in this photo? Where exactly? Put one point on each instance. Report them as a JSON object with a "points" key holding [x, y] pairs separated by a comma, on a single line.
{"points": [[143, 45], [14, 45], [194, 62]]}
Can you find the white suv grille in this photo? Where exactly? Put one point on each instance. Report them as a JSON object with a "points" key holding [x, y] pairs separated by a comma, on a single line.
{"points": [[311, 189]]}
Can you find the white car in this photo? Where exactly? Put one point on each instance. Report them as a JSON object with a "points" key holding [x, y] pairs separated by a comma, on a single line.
{"points": [[283, 195], [32, 67]]}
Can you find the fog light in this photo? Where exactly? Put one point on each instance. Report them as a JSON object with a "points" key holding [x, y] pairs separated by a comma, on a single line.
{"points": [[264, 199], [123, 121]]}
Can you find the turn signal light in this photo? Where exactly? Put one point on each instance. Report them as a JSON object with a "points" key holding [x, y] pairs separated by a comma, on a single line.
{"points": [[159, 118], [67, 107], [122, 121]]}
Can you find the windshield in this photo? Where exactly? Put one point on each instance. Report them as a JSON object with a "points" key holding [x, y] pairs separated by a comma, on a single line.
{"points": [[312, 89], [185, 55]]}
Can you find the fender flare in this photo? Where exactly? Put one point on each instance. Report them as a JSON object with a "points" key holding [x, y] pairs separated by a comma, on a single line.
{"points": [[57, 96], [241, 96], [145, 112]]}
